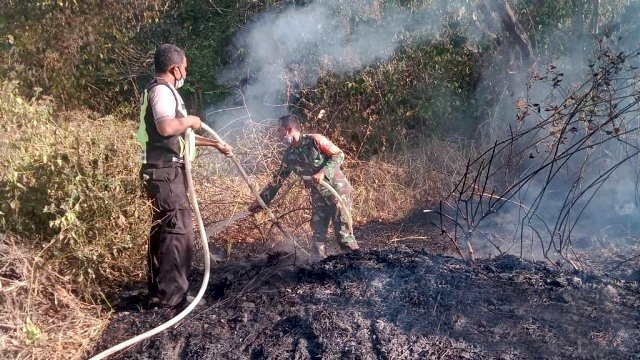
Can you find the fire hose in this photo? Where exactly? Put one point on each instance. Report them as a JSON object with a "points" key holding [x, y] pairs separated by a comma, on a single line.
{"points": [[203, 235], [207, 263], [340, 200], [254, 190]]}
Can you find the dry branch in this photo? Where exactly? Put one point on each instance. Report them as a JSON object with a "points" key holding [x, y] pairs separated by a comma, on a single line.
{"points": [[564, 149]]}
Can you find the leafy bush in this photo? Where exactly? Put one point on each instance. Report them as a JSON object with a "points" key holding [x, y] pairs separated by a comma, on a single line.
{"points": [[424, 92], [98, 54], [82, 53], [70, 188]]}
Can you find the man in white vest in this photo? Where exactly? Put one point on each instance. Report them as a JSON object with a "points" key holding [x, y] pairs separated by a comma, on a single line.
{"points": [[163, 122]]}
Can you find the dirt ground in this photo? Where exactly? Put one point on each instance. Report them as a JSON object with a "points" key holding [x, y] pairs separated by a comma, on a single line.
{"points": [[390, 301]]}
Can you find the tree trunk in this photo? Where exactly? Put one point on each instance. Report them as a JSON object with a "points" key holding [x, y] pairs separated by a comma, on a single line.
{"points": [[500, 11], [517, 33], [577, 23], [532, 12], [595, 13]]}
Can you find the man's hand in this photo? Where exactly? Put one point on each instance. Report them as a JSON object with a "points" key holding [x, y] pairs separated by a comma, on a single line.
{"points": [[194, 122], [254, 207], [317, 177], [225, 149]]}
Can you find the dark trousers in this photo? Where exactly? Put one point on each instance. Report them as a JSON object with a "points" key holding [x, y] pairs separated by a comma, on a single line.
{"points": [[171, 237]]}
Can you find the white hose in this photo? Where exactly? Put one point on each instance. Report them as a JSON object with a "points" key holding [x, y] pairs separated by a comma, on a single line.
{"points": [[207, 264], [203, 236]]}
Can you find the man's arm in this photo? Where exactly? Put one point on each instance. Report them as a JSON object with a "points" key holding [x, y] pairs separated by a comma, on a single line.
{"points": [[335, 157], [163, 103], [275, 184], [223, 147], [271, 190], [176, 126]]}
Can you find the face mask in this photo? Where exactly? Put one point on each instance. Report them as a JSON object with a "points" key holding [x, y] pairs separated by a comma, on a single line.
{"points": [[287, 139], [180, 82]]}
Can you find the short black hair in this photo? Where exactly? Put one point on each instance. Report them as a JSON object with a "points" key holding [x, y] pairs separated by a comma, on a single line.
{"points": [[166, 56], [289, 121]]}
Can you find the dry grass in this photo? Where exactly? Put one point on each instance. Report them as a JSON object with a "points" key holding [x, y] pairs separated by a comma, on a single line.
{"points": [[72, 224], [386, 188], [71, 186], [41, 318]]}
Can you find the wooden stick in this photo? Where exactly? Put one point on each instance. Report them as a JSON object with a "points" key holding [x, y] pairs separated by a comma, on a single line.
{"points": [[255, 191], [216, 228]]}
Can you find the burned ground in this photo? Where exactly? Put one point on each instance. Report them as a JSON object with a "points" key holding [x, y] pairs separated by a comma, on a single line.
{"points": [[395, 303]]}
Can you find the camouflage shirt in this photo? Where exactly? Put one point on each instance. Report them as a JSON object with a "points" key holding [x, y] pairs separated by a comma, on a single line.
{"points": [[311, 154]]}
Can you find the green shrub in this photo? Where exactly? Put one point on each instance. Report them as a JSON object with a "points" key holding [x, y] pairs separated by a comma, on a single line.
{"points": [[82, 53], [70, 188], [424, 92]]}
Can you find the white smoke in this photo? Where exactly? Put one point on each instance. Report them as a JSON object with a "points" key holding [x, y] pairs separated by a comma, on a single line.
{"points": [[287, 48]]}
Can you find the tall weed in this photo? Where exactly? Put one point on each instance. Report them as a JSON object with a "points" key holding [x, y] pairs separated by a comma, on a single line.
{"points": [[69, 189]]}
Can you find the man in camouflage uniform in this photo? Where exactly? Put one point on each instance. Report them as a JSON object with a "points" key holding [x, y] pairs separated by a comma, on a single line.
{"points": [[315, 158]]}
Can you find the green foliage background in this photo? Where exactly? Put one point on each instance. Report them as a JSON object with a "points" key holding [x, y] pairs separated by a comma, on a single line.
{"points": [[69, 189]]}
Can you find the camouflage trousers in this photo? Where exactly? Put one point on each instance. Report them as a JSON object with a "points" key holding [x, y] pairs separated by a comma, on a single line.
{"points": [[325, 211]]}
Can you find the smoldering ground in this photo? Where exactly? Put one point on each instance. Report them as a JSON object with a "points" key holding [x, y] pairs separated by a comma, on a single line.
{"points": [[560, 167], [395, 303], [388, 302]]}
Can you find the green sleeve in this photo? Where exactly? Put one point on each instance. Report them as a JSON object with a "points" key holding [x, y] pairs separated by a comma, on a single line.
{"points": [[332, 163], [272, 188]]}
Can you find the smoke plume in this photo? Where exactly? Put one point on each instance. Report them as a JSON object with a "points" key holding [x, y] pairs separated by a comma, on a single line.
{"points": [[287, 48]]}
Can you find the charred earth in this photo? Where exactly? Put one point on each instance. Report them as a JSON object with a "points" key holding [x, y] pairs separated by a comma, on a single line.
{"points": [[397, 303]]}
